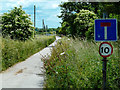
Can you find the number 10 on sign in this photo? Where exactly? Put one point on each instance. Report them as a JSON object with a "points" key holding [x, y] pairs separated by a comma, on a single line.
{"points": [[105, 49]]}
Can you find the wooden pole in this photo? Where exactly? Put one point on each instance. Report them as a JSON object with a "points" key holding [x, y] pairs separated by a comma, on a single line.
{"points": [[34, 15]]}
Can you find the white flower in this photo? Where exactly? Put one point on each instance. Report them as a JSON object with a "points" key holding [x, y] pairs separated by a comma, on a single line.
{"points": [[68, 39], [62, 53], [56, 72], [11, 31]]}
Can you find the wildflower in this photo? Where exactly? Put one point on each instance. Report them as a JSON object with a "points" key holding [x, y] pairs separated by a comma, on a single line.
{"points": [[62, 53], [68, 39], [56, 72]]}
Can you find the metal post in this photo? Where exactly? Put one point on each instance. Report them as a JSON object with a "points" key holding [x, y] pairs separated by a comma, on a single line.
{"points": [[103, 15], [104, 60], [104, 72]]}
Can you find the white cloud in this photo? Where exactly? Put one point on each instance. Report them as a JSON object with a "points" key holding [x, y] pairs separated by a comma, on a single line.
{"points": [[49, 5], [39, 11], [47, 9], [64, 0], [53, 17], [55, 5], [8, 4]]}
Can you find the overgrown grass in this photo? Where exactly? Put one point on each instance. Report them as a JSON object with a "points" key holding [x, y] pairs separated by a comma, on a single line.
{"points": [[80, 66], [0, 53], [17, 51]]}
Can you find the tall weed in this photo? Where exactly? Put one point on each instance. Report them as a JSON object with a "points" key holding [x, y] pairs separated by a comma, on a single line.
{"points": [[17, 51], [77, 64]]}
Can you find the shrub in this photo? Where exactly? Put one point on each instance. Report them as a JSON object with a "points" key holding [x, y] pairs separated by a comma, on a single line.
{"points": [[85, 23], [17, 25], [65, 29]]}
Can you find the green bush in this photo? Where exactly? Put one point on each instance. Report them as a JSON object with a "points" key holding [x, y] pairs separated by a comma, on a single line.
{"points": [[85, 23], [80, 24], [17, 25], [17, 51], [77, 64], [65, 29]]}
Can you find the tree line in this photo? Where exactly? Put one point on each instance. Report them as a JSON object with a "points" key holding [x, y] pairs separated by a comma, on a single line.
{"points": [[77, 20], [46, 30], [78, 17]]}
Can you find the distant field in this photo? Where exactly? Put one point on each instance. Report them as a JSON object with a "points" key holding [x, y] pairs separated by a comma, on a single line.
{"points": [[17, 51], [77, 64]]}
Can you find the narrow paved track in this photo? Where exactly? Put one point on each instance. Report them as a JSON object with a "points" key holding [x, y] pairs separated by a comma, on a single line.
{"points": [[27, 74]]}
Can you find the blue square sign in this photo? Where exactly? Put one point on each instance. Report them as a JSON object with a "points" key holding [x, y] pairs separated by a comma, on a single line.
{"points": [[105, 30]]}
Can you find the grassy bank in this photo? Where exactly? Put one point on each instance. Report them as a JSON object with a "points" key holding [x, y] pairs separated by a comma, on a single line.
{"points": [[77, 64], [17, 51], [0, 53]]}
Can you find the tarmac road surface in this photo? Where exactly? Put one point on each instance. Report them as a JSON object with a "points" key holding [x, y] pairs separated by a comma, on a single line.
{"points": [[27, 74]]}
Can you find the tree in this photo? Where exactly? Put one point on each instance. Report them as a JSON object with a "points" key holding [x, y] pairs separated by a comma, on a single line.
{"points": [[17, 25], [85, 23], [111, 7], [112, 10], [65, 29], [0, 22], [71, 23], [69, 11]]}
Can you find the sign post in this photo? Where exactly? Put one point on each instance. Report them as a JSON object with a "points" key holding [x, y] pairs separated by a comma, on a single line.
{"points": [[105, 30], [105, 50], [104, 72]]}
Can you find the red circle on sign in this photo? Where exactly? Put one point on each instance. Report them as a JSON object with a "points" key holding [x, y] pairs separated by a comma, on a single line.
{"points": [[111, 49]]}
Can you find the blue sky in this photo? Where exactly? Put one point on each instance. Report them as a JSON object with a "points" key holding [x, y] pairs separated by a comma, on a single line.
{"points": [[45, 9]]}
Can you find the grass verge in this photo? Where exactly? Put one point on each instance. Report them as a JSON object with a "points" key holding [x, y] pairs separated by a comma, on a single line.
{"points": [[0, 53], [77, 64], [17, 51]]}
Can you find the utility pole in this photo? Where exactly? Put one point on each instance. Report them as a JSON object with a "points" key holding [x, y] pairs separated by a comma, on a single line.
{"points": [[34, 15], [43, 24], [34, 19], [46, 26], [46, 29]]}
